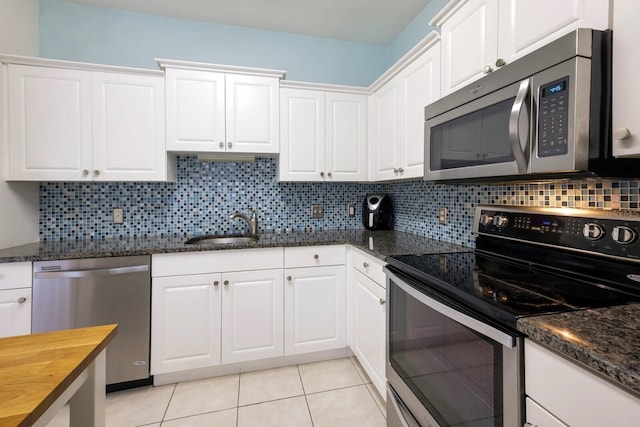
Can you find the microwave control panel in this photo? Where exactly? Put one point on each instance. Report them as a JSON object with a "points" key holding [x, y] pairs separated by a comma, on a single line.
{"points": [[553, 118]]}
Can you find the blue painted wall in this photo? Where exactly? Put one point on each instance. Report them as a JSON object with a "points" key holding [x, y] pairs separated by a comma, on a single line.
{"points": [[76, 32]]}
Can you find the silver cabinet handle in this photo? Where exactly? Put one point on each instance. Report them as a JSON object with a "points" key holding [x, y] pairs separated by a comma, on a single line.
{"points": [[229, 144], [96, 172], [316, 256], [216, 283], [221, 144], [400, 170], [329, 174], [382, 302], [89, 273], [226, 283], [500, 62], [22, 300], [365, 264], [322, 174], [621, 134], [395, 170], [514, 125], [289, 278], [85, 172], [487, 69]]}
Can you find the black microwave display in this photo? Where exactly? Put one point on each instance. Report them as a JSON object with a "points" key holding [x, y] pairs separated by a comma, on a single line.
{"points": [[554, 88], [553, 119]]}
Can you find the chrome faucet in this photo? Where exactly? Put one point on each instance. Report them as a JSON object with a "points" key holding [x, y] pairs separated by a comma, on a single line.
{"points": [[253, 221]]}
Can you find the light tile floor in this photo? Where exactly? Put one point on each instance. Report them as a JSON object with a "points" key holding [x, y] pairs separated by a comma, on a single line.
{"points": [[333, 393]]}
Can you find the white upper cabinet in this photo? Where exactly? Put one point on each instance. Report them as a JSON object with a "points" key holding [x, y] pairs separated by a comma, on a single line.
{"points": [[323, 135], [397, 115], [50, 123], [626, 62], [479, 36], [128, 128], [211, 109], [469, 43], [78, 125]]}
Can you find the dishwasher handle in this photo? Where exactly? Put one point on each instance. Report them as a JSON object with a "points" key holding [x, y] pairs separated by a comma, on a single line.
{"points": [[91, 273]]}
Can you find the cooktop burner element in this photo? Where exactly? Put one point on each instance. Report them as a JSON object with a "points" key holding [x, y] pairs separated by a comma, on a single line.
{"points": [[532, 261]]}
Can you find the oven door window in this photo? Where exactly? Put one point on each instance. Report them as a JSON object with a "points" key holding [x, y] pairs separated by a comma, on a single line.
{"points": [[455, 372]]}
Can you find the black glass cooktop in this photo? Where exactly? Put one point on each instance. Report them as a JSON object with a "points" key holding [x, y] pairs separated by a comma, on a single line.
{"points": [[503, 290]]}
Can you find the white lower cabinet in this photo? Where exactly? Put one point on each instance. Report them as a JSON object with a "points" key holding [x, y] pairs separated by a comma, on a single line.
{"points": [[202, 318], [368, 328], [15, 299], [185, 326], [252, 315], [560, 392], [315, 299], [315, 309], [368, 312]]}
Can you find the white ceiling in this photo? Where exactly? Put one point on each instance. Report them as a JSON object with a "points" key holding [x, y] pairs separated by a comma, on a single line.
{"points": [[366, 21]]}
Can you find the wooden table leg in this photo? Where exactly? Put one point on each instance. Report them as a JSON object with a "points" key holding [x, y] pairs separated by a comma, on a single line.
{"points": [[87, 406]]}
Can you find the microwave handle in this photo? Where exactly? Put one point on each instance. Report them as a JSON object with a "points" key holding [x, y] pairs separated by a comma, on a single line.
{"points": [[514, 124]]}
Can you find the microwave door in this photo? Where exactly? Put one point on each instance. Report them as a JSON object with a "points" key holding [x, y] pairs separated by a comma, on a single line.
{"points": [[478, 139], [562, 98]]}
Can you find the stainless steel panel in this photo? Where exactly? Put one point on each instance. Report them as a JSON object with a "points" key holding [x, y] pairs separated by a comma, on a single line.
{"points": [[97, 291]]}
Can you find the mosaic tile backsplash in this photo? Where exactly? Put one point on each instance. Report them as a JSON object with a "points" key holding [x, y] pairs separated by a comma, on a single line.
{"points": [[206, 193]]}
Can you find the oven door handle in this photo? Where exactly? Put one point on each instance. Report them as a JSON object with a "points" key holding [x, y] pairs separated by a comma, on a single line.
{"points": [[465, 320]]}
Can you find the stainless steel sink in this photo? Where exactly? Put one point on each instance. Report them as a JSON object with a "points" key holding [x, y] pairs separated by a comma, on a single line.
{"points": [[222, 239]]}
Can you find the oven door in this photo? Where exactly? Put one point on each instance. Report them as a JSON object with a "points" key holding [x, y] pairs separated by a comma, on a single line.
{"points": [[446, 367], [487, 137]]}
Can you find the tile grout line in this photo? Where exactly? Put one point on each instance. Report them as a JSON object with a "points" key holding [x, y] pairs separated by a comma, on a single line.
{"points": [[175, 385], [306, 400], [238, 401]]}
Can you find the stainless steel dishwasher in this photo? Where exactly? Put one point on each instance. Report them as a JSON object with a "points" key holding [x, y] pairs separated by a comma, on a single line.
{"points": [[97, 291]]}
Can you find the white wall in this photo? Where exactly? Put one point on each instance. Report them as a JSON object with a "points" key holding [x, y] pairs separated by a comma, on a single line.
{"points": [[18, 201]]}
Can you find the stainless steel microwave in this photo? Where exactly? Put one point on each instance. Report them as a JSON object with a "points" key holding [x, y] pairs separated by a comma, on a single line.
{"points": [[546, 115]]}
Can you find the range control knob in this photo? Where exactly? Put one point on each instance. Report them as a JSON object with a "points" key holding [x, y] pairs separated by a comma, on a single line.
{"points": [[623, 235], [486, 219], [500, 221], [593, 231]]}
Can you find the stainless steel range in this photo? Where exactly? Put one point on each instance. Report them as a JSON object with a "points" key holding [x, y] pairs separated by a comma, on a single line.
{"points": [[454, 355]]}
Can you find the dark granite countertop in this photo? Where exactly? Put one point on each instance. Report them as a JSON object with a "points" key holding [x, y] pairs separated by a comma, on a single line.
{"points": [[607, 340], [378, 243]]}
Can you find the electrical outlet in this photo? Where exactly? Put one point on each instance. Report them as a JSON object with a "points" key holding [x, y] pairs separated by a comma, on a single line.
{"points": [[317, 211], [118, 216], [351, 208], [442, 215]]}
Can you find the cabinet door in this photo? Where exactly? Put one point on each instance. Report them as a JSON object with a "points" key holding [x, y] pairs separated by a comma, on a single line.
{"points": [[253, 124], [185, 322], [302, 114], [369, 308], [420, 86], [345, 143], [537, 416], [128, 128], [626, 86], [195, 111], [49, 123], [526, 25], [252, 315], [386, 132], [315, 309], [469, 43], [15, 312]]}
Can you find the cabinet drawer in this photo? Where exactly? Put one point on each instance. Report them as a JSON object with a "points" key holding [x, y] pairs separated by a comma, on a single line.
{"points": [[314, 256], [185, 263], [369, 266], [574, 394], [15, 275]]}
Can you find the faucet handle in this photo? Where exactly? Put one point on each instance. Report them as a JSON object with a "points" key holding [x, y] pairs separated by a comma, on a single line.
{"points": [[253, 213]]}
